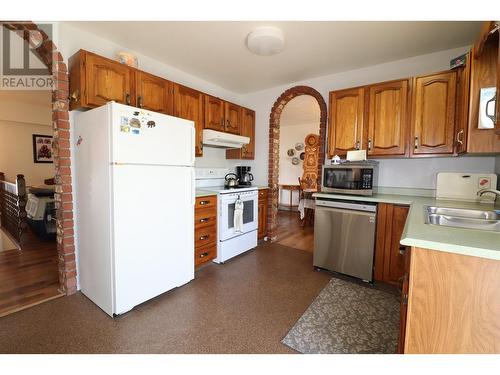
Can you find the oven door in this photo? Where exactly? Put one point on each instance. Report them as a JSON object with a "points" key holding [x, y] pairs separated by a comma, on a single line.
{"points": [[226, 216]]}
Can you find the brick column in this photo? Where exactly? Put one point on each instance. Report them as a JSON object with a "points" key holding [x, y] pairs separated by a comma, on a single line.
{"points": [[274, 149]]}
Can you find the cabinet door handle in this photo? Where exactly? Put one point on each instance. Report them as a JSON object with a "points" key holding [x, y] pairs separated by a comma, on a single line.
{"points": [[356, 145], [402, 250], [416, 143], [404, 299], [369, 145], [204, 220], [459, 140], [205, 237], [203, 255], [491, 117], [139, 101], [127, 98], [202, 203]]}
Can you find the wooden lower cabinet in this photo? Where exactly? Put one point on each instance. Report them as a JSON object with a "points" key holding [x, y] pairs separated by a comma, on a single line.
{"points": [[389, 254], [403, 306], [453, 304], [262, 231], [205, 229]]}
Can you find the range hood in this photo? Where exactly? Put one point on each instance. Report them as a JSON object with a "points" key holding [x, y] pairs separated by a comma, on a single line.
{"points": [[213, 138]]}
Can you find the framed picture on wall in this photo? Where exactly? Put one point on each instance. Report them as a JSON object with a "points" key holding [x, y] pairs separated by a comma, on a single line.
{"points": [[42, 148]]}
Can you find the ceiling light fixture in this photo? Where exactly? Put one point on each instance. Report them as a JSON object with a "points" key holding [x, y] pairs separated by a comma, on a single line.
{"points": [[266, 41]]}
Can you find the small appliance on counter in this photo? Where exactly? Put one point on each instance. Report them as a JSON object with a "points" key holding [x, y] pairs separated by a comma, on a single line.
{"points": [[350, 177], [245, 178]]}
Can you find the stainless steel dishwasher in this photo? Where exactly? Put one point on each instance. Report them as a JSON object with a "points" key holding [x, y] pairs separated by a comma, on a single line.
{"points": [[344, 237]]}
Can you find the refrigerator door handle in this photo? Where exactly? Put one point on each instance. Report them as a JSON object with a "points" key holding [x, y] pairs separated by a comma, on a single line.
{"points": [[193, 189], [193, 138]]}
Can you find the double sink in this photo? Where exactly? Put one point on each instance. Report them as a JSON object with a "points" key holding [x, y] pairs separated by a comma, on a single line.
{"points": [[463, 218]]}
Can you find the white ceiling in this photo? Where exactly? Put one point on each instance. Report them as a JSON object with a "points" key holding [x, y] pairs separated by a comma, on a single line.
{"points": [[303, 109], [216, 51]]}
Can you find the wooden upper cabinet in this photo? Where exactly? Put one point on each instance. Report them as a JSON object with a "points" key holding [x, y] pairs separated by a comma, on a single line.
{"points": [[462, 106], [188, 104], [247, 130], [106, 80], [346, 121], [433, 113], [232, 118], [483, 73], [153, 93], [214, 113], [387, 118]]}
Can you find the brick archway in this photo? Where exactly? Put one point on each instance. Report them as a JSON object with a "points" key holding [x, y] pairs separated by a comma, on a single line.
{"points": [[274, 145], [48, 53]]}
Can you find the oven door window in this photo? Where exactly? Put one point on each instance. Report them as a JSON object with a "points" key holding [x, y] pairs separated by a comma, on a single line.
{"points": [[248, 213], [342, 178]]}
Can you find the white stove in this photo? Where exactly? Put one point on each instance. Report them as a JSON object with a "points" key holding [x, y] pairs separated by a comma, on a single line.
{"points": [[231, 242]]}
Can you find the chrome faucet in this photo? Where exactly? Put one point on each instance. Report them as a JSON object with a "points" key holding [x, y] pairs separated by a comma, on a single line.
{"points": [[494, 191]]}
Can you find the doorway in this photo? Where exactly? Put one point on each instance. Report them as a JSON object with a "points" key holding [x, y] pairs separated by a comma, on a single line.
{"points": [[296, 105], [28, 264], [32, 37], [300, 118]]}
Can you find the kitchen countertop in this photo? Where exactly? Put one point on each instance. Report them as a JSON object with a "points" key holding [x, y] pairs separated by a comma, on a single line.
{"points": [[204, 193], [417, 233]]}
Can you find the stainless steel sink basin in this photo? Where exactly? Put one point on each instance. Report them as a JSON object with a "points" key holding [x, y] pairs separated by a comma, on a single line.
{"points": [[463, 218]]}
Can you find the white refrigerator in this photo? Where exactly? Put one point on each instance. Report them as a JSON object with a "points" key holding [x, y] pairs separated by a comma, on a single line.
{"points": [[134, 179]]}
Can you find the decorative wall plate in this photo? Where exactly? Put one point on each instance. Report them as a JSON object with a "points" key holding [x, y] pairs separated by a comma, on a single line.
{"points": [[290, 152], [295, 161], [302, 155], [299, 146]]}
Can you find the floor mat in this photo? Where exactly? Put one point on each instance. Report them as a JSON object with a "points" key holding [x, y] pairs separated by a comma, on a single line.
{"points": [[347, 318]]}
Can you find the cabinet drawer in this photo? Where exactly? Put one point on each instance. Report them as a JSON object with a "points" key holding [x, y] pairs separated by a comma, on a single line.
{"points": [[206, 202], [205, 254], [205, 235], [205, 218]]}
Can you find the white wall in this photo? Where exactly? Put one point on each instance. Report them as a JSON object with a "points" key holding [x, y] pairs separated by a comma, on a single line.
{"points": [[16, 156], [400, 172], [421, 173], [19, 120]]}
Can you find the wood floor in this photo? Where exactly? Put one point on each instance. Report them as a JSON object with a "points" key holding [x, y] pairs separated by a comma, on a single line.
{"points": [[28, 276], [291, 234]]}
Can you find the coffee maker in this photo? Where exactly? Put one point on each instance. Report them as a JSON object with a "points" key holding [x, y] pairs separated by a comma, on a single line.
{"points": [[244, 175]]}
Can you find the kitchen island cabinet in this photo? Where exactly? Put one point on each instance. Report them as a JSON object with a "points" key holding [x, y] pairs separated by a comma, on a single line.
{"points": [[453, 304]]}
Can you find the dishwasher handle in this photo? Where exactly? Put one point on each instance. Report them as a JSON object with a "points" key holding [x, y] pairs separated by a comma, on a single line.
{"points": [[361, 206]]}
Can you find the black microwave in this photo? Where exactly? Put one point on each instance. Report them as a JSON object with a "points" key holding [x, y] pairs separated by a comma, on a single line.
{"points": [[355, 178]]}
